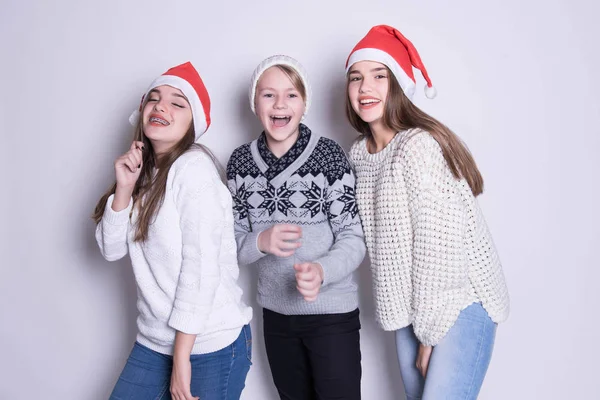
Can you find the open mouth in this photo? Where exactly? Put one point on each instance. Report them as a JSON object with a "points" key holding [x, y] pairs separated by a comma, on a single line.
{"points": [[158, 121], [280, 120], [369, 103]]}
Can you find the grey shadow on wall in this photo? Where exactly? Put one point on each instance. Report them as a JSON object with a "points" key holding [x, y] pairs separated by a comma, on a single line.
{"points": [[118, 273]]}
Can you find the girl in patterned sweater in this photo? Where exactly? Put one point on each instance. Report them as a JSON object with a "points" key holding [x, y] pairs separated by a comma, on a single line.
{"points": [[296, 220], [170, 210], [437, 277]]}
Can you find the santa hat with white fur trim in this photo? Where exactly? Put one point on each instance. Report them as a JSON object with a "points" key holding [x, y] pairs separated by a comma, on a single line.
{"points": [[388, 46], [279, 60], [185, 78]]}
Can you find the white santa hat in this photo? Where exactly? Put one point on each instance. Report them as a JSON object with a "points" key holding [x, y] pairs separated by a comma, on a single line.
{"points": [[386, 45], [280, 60], [185, 78]]}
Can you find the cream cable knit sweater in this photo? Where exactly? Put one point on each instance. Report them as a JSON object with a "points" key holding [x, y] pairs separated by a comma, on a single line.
{"points": [[430, 248], [186, 271]]}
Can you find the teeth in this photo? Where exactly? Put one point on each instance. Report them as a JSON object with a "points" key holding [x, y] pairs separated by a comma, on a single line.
{"points": [[369, 101], [159, 120], [279, 117]]}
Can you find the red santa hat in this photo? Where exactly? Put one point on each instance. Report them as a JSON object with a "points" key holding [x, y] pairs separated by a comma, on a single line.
{"points": [[185, 78], [386, 45]]}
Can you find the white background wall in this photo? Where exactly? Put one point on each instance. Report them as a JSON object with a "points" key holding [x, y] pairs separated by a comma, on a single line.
{"points": [[515, 80]]}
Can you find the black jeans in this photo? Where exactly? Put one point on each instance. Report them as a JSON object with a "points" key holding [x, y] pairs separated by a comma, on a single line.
{"points": [[314, 357]]}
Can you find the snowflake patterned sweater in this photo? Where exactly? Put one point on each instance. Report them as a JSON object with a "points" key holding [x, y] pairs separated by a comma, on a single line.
{"points": [[312, 186]]}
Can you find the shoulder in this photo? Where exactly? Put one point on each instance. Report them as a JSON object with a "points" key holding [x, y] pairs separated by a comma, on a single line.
{"points": [[357, 148], [243, 150], [332, 157], [194, 164], [331, 147], [418, 143], [240, 157]]}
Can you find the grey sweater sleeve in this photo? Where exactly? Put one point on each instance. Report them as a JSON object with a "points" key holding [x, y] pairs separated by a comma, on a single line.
{"points": [[349, 248], [245, 237]]}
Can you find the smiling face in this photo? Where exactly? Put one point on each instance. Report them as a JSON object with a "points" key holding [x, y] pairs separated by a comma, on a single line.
{"points": [[166, 117], [368, 90], [279, 106]]}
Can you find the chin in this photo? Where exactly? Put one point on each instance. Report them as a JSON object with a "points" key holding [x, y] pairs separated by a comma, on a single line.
{"points": [[281, 134], [370, 117]]}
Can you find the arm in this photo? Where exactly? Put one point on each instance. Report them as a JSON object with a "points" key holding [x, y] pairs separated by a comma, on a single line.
{"points": [[438, 224], [245, 237], [201, 216], [348, 249], [111, 231]]}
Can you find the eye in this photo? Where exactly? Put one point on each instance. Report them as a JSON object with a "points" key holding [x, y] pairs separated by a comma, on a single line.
{"points": [[152, 99], [293, 95], [354, 78], [380, 76], [267, 95], [178, 105]]}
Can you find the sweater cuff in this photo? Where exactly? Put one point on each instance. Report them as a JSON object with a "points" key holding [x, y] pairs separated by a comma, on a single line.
{"points": [[116, 217], [252, 253], [331, 274], [186, 322]]}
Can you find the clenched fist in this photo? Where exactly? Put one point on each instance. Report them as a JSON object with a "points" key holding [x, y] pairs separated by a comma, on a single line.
{"points": [[309, 278]]}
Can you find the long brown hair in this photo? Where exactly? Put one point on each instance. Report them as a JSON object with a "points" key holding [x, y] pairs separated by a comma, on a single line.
{"points": [[401, 114], [149, 190]]}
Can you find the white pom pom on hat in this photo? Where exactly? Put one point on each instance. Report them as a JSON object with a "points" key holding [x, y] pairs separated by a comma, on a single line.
{"points": [[185, 78], [279, 60], [388, 46]]}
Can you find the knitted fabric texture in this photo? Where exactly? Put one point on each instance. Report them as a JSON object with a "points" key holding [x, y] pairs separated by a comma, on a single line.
{"points": [[312, 186], [430, 248], [186, 271]]}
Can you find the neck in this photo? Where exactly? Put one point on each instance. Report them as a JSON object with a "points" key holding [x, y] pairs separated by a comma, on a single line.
{"points": [[381, 136], [280, 147]]}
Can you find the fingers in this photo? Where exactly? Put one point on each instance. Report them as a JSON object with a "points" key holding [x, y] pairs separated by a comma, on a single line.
{"points": [[283, 253], [136, 145], [289, 228], [309, 295], [308, 281], [289, 236], [127, 162], [177, 394], [135, 160]]}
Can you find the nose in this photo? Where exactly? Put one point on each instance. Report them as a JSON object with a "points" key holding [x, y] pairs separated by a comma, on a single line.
{"points": [[160, 106], [365, 86], [280, 103]]}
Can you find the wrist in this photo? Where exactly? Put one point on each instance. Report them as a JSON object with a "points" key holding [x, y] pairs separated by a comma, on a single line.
{"points": [[320, 272], [259, 244]]}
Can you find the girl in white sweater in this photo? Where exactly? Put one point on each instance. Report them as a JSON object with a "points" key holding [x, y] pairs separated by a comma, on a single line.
{"points": [[170, 210], [437, 278]]}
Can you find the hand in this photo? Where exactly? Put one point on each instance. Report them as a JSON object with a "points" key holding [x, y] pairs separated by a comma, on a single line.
{"points": [[129, 166], [181, 380], [309, 278], [423, 358], [281, 240]]}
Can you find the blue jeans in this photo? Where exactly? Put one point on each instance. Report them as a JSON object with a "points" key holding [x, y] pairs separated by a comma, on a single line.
{"points": [[220, 375], [458, 362]]}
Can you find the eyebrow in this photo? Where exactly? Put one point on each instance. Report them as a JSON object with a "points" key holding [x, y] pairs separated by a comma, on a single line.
{"points": [[273, 89], [156, 90], [355, 71]]}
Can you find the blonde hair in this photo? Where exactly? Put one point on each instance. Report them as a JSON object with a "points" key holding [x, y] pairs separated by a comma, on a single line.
{"points": [[294, 77]]}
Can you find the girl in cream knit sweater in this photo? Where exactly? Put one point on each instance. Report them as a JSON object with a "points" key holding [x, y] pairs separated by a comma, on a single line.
{"points": [[437, 278]]}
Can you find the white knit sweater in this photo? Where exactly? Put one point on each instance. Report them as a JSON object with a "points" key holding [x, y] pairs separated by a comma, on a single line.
{"points": [[430, 248], [186, 271]]}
